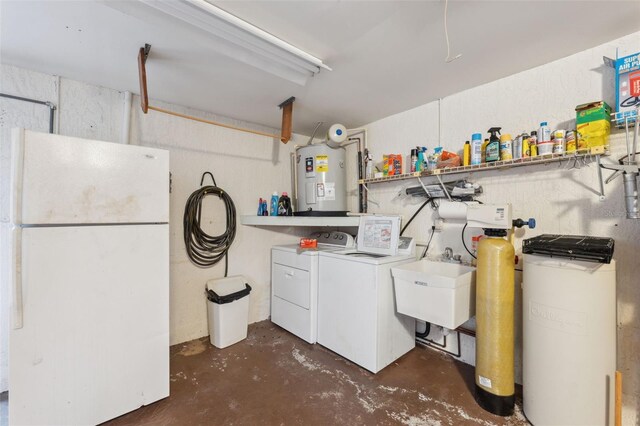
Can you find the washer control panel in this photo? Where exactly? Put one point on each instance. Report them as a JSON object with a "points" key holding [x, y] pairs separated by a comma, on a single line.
{"points": [[334, 238]]}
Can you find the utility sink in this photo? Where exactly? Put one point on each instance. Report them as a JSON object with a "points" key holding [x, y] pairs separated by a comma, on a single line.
{"points": [[440, 293]]}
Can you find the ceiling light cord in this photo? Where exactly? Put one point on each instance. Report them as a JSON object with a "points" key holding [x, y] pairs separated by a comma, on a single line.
{"points": [[448, 59]]}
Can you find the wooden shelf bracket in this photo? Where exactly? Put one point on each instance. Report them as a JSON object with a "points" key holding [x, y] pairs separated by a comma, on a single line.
{"points": [[287, 117], [286, 106], [142, 76]]}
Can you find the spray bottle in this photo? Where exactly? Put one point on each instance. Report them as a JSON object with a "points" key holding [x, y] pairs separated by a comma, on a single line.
{"points": [[424, 158], [369, 167], [420, 161], [493, 147], [432, 160]]}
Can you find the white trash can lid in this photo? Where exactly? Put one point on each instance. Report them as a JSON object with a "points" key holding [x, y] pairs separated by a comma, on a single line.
{"points": [[226, 290]]}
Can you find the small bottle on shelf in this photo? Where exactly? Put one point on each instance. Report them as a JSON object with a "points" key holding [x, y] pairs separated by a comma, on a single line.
{"points": [[273, 209], [466, 154]]}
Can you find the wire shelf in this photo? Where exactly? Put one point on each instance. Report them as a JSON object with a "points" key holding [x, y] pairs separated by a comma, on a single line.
{"points": [[585, 153]]}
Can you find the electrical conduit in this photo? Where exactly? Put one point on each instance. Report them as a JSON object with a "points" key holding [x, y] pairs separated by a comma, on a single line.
{"points": [[126, 118]]}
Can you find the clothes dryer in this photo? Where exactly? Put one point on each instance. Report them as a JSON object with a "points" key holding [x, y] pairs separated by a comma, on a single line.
{"points": [[294, 283]]}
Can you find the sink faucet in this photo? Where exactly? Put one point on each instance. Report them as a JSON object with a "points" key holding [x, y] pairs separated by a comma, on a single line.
{"points": [[448, 256], [448, 253]]}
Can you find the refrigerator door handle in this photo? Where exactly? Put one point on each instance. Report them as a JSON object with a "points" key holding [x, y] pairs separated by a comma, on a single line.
{"points": [[16, 279], [17, 166]]}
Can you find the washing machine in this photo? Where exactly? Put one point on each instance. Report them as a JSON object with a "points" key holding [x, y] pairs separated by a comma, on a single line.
{"points": [[294, 283], [357, 315]]}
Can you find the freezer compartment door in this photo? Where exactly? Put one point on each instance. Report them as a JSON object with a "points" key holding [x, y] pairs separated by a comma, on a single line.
{"points": [[94, 341], [64, 180]]}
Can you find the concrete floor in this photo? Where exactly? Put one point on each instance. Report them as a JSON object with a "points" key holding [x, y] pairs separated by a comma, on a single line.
{"points": [[274, 378]]}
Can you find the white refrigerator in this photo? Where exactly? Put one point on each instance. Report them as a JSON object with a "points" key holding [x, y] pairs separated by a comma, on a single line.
{"points": [[89, 338]]}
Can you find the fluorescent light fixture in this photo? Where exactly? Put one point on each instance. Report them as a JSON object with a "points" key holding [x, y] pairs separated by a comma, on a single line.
{"points": [[250, 44]]}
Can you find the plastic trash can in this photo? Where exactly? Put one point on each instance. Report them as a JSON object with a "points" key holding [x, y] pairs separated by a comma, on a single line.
{"points": [[228, 310]]}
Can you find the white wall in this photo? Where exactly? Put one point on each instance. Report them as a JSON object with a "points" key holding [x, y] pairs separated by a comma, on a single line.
{"points": [[247, 167], [244, 165], [562, 201]]}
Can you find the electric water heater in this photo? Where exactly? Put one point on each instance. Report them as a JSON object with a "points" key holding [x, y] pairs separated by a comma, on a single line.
{"points": [[320, 180]]}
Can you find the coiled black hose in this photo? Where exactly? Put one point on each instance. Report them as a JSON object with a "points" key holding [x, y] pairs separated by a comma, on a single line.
{"points": [[203, 249]]}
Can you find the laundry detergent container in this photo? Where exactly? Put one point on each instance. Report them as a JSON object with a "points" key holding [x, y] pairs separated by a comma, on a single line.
{"points": [[440, 293], [228, 310]]}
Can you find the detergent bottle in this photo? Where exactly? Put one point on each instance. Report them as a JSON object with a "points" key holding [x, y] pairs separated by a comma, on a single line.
{"points": [[284, 205], [273, 208]]}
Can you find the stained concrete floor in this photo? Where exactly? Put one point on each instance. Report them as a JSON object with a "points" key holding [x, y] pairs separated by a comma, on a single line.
{"points": [[274, 378]]}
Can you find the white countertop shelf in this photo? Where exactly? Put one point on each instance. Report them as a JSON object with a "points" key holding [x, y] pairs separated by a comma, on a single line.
{"points": [[300, 220]]}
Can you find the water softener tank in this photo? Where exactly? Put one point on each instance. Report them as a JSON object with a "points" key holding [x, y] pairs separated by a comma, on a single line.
{"points": [[495, 296], [320, 179], [569, 330]]}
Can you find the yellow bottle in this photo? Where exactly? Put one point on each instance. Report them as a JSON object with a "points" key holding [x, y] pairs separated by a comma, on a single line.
{"points": [[484, 150], [506, 147], [526, 148], [533, 143], [466, 154]]}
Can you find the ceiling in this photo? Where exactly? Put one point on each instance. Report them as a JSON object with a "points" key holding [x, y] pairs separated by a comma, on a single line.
{"points": [[386, 56]]}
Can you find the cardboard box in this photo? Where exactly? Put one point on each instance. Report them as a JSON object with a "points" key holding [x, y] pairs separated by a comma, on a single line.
{"points": [[627, 86], [593, 124]]}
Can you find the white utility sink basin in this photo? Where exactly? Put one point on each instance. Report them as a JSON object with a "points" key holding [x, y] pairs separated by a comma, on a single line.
{"points": [[440, 293]]}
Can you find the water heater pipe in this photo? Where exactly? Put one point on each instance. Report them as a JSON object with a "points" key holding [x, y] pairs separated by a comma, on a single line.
{"points": [[294, 174], [126, 118], [315, 130], [50, 105], [363, 155], [57, 84]]}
